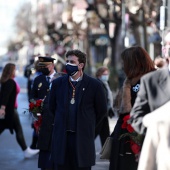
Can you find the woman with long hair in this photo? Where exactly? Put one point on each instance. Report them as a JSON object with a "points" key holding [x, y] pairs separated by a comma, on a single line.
{"points": [[136, 62], [9, 118]]}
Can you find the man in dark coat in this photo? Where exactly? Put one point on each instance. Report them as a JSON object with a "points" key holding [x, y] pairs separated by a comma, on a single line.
{"points": [[45, 133], [41, 83], [78, 102], [40, 88]]}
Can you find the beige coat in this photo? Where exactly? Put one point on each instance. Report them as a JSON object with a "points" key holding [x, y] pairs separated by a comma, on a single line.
{"points": [[155, 154]]}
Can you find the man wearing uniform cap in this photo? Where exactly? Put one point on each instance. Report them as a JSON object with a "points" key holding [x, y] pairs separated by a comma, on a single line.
{"points": [[41, 83], [40, 88]]}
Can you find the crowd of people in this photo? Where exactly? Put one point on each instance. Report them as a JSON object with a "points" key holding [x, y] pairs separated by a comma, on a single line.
{"points": [[76, 108]]}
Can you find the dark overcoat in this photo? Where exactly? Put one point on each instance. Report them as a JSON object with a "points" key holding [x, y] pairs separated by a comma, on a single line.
{"points": [[45, 134], [154, 92], [7, 98], [92, 107]]}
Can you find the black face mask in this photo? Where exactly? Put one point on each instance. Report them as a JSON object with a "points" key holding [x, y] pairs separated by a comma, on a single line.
{"points": [[45, 71], [71, 69]]}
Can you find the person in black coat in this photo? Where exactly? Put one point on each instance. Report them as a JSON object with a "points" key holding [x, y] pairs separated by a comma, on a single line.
{"points": [[45, 133], [136, 62], [40, 86], [77, 102]]}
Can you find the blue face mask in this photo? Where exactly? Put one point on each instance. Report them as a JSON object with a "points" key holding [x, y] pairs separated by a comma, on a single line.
{"points": [[104, 78], [71, 69]]}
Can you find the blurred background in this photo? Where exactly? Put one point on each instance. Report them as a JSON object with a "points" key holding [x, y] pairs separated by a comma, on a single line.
{"points": [[100, 28]]}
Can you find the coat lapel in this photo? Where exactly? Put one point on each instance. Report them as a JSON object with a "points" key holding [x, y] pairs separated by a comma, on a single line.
{"points": [[83, 87], [164, 81], [65, 86]]}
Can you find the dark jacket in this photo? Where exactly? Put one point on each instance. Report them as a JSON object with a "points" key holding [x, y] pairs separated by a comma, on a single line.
{"points": [[7, 98], [92, 107], [40, 87], [119, 159], [45, 134], [154, 92]]}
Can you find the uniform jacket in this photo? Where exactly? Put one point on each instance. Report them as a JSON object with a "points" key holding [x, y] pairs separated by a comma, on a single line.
{"points": [[7, 98], [92, 107], [40, 87], [45, 134], [154, 92]]}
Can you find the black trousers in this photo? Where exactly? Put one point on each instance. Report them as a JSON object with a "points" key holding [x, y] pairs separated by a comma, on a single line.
{"points": [[71, 157], [18, 131], [34, 138], [44, 161]]}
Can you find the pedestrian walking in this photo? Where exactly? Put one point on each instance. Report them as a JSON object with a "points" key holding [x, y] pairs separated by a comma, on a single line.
{"points": [[78, 102], [103, 130], [136, 62], [8, 108]]}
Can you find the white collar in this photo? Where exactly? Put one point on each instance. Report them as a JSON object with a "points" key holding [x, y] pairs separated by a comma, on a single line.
{"points": [[51, 75], [78, 79]]}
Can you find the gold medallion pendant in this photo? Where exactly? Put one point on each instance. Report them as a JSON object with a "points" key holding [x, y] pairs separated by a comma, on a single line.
{"points": [[72, 101]]}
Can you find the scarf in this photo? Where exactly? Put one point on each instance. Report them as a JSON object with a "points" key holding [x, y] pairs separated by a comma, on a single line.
{"points": [[122, 103]]}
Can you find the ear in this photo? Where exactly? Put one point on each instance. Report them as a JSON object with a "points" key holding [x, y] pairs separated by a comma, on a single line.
{"points": [[81, 65]]}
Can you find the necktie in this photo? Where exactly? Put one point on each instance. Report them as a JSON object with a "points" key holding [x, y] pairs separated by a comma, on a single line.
{"points": [[48, 80], [74, 83]]}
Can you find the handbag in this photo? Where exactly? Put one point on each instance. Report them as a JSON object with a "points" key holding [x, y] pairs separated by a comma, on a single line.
{"points": [[106, 149]]}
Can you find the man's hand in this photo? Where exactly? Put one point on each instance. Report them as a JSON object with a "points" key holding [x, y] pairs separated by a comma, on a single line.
{"points": [[2, 113]]}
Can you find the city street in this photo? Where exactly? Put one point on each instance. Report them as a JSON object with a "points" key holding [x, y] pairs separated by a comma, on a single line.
{"points": [[11, 155]]}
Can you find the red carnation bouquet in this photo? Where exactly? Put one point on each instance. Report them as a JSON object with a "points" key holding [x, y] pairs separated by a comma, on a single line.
{"points": [[136, 139], [35, 108]]}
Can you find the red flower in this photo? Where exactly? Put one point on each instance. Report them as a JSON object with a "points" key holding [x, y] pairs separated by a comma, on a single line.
{"points": [[135, 147], [35, 106], [31, 106], [126, 118], [37, 124], [38, 103], [130, 128], [35, 109], [135, 139], [127, 126]]}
